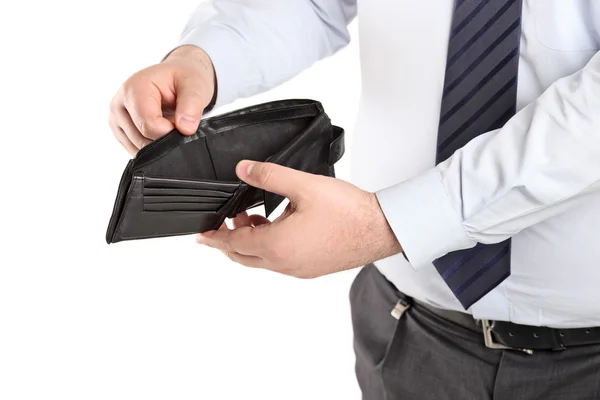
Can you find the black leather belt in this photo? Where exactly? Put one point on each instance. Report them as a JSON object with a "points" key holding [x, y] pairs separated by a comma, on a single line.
{"points": [[510, 336]]}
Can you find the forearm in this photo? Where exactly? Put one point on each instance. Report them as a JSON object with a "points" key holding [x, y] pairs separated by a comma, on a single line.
{"points": [[545, 160], [256, 45]]}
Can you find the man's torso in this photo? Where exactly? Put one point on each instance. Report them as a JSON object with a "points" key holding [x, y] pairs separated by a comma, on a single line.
{"points": [[555, 273]]}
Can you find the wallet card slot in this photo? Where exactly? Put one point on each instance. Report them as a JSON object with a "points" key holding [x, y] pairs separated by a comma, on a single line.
{"points": [[169, 207], [189, 184], [186, 192], [183, 199]]}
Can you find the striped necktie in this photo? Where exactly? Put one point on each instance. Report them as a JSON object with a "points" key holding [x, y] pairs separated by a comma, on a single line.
{"points": [[480, 91]]}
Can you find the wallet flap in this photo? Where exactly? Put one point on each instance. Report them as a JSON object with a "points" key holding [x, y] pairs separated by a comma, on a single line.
{"points": [[337, 147], [138, 221], [122, 191], [272, 201]]}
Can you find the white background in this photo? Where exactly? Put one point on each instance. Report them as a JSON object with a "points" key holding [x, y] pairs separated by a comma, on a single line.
{"points": [[152, 319]]}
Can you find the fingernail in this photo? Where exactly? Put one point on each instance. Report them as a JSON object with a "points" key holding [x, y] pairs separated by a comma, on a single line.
{"points": [[188, 122], [250, 168]]}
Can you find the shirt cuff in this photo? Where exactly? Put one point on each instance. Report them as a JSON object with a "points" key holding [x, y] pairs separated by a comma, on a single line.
{"points": [[224, 50], [423, 218]]}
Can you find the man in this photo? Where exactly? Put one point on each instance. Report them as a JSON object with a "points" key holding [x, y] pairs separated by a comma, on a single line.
{"points": [[477, 170]]}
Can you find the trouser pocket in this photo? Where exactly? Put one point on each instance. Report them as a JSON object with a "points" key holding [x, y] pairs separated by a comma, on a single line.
{"points": [[376, 330]]}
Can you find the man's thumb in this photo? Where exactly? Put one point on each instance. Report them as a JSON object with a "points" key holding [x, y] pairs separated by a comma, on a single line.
{"points": [[272, 178], [191, 101]]}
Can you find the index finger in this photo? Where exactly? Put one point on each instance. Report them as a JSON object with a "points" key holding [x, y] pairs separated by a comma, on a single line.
{"points": [[144, 105], [246, 240]]}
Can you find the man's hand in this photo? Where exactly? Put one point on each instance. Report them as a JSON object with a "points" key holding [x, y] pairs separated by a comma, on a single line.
{"points": [[328, 226], [164, 96]]}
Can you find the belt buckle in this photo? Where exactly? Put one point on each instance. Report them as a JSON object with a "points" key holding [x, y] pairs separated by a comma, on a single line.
{"points": [[489, 339]]}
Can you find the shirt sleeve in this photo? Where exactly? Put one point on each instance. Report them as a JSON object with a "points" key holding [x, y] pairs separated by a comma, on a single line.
{"points": [[544, 161], [256, 45]]}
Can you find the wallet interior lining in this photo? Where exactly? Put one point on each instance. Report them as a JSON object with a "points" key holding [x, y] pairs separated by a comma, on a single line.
{"points": [[189, 160], [253, 142]]}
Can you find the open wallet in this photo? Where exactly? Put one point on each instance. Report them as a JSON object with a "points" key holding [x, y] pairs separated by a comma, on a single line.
{"points": [[180, 185]]}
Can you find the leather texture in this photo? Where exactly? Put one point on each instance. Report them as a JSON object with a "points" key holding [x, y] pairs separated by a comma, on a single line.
{"points": [[180, 185]]}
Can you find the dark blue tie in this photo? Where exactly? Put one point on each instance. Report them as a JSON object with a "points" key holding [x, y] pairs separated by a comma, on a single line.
{"points": [[480, 91]]}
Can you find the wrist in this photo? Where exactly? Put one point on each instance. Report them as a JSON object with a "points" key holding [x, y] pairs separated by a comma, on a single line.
{"points": [[385, 244], [189, 53]]}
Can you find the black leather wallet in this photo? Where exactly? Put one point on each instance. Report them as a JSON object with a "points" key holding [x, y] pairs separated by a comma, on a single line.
{"points": [[180, 185]]}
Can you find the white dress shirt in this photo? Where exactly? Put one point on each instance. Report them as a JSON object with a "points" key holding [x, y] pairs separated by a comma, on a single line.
{"points": [[536, 180]]}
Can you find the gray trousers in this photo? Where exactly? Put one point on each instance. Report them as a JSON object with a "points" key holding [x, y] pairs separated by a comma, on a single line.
{"points": [[423, 356]]}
